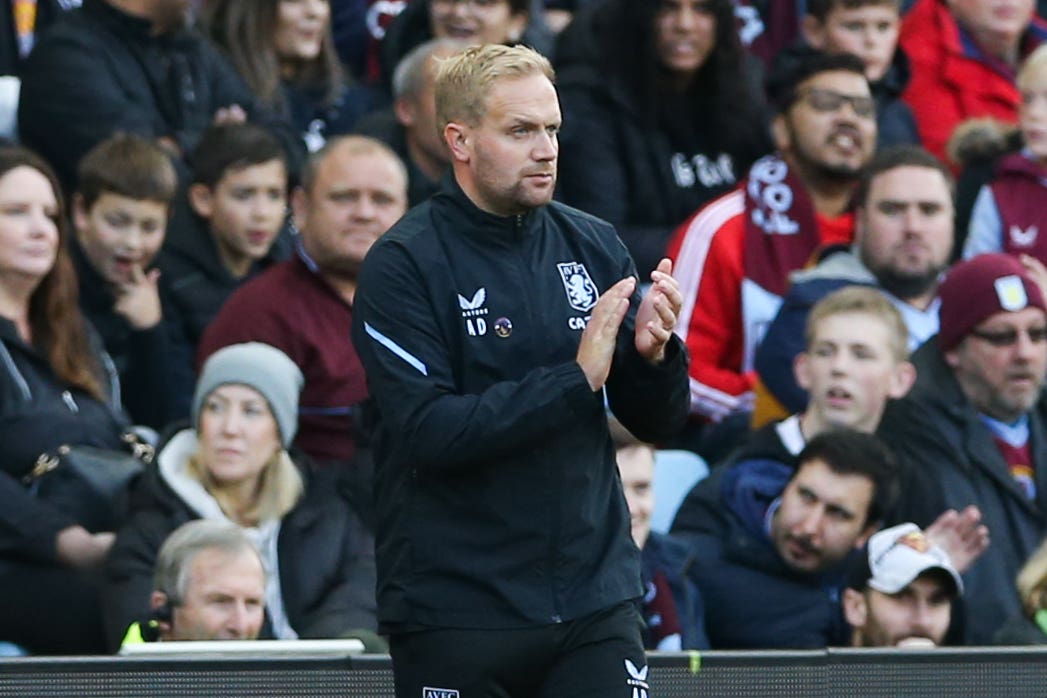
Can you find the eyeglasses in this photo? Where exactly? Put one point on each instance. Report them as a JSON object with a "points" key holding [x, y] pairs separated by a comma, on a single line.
{"points": [[1007, 338], [830, 101]]}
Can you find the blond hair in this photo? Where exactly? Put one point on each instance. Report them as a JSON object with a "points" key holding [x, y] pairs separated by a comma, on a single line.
{"points": [[464, 80], [1034, 62], [866, 300], [280, 486], [1032, 581]]}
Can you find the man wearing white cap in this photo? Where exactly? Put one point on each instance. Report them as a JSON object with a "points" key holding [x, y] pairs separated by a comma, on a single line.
{"points": [[901, 590]]}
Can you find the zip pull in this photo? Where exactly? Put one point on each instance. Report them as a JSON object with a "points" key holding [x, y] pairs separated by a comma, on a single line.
{"points": [[67, 398]]}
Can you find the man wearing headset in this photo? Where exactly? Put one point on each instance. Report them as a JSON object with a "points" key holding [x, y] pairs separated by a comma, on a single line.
{"points": [[209, 584]]}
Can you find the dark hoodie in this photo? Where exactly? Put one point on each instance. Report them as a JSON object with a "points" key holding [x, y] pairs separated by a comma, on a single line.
{"points": [[752, 598], [198, 280]]}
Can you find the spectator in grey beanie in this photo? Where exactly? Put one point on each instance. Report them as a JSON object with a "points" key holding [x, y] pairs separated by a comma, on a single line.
{"points": [[233, 464], [262, 367]]}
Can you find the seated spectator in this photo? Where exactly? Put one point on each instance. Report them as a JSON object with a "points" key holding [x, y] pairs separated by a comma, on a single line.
{"points": [[900, 591], [209, 584], [855, 360], [869, 30], [672, 608], [470, 21], [238, 206], [120, 212], [770, 556], [653, 132], [964, 54], [56, 387], [734, 256], [131, 66], [903, 241], [409, 126], [233, 465], [352, 191], [284, 50], [972, 430], [1008, 213], [1030, 627]]}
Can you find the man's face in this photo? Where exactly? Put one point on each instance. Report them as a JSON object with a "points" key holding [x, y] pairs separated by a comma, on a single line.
{"points": [[476, 21], [821, 517], [905, 229], [355, 197], [245, 210], [920, 611], [849, 371], [636, 465], [417, 113], [821, 133], [1000, 365], [993, 22], [869, 32], [224, 599], [511, 154], [120, 235]]}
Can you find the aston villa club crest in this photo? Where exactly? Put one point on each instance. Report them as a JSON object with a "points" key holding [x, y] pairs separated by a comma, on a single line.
{"points": [[581, 291]]}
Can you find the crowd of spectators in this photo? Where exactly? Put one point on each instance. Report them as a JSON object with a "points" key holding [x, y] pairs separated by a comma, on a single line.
{"points": [[851, 197]]}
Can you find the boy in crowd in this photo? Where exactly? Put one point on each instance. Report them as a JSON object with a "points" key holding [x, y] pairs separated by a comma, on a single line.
{"points": [[671, 607], [238, 202], [856, 359], [868, 29], [120, 212]]}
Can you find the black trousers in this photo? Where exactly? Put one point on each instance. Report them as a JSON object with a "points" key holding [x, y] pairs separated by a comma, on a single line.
{"points": [[598, 656]]}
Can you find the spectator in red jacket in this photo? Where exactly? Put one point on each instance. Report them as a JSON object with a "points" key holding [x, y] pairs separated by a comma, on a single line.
{"points": [[964, 54]]}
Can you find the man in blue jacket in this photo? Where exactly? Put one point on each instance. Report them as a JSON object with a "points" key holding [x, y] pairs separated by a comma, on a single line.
{"points": [[491, 323]]}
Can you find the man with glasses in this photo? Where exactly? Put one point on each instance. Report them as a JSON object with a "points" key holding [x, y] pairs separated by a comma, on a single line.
{"points": [[974, 428], [734, 256]]}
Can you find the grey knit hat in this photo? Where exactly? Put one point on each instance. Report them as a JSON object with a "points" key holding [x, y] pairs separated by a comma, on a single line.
{"points": [[262, 367]]}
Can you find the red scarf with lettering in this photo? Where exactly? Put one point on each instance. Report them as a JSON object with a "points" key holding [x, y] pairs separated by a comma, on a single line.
{"points": [[782, 231]]}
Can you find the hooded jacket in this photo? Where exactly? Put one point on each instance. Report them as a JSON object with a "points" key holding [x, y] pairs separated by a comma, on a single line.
{"points": [[498, 498], [326, 581]]}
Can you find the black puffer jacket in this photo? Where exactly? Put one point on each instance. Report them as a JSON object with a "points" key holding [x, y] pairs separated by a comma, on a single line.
{"points": [[326, 565]]}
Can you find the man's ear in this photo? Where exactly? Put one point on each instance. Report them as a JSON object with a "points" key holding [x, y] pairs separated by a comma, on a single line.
{"points": [[952, 358], [855, 610], [801, 370], [80, 214], [902, 380], [813, 32], [866, 534], [201, 200], [405, 111], [780, 133], [456, 136]]}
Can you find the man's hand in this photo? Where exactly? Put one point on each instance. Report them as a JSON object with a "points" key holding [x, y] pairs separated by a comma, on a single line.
{"points": [[656, 318], [138, 300], [596, 350], [76, 547], [233, 114], [961, 535]]}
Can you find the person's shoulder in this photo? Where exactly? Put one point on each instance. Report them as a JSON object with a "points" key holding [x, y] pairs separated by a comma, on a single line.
{"points": [[416, 227], [584, 223]]}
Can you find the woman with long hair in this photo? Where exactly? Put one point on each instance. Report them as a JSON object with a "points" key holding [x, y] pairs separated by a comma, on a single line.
{"points": [[284, 51], [233, 464], [662, 111], [57, 387]]}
